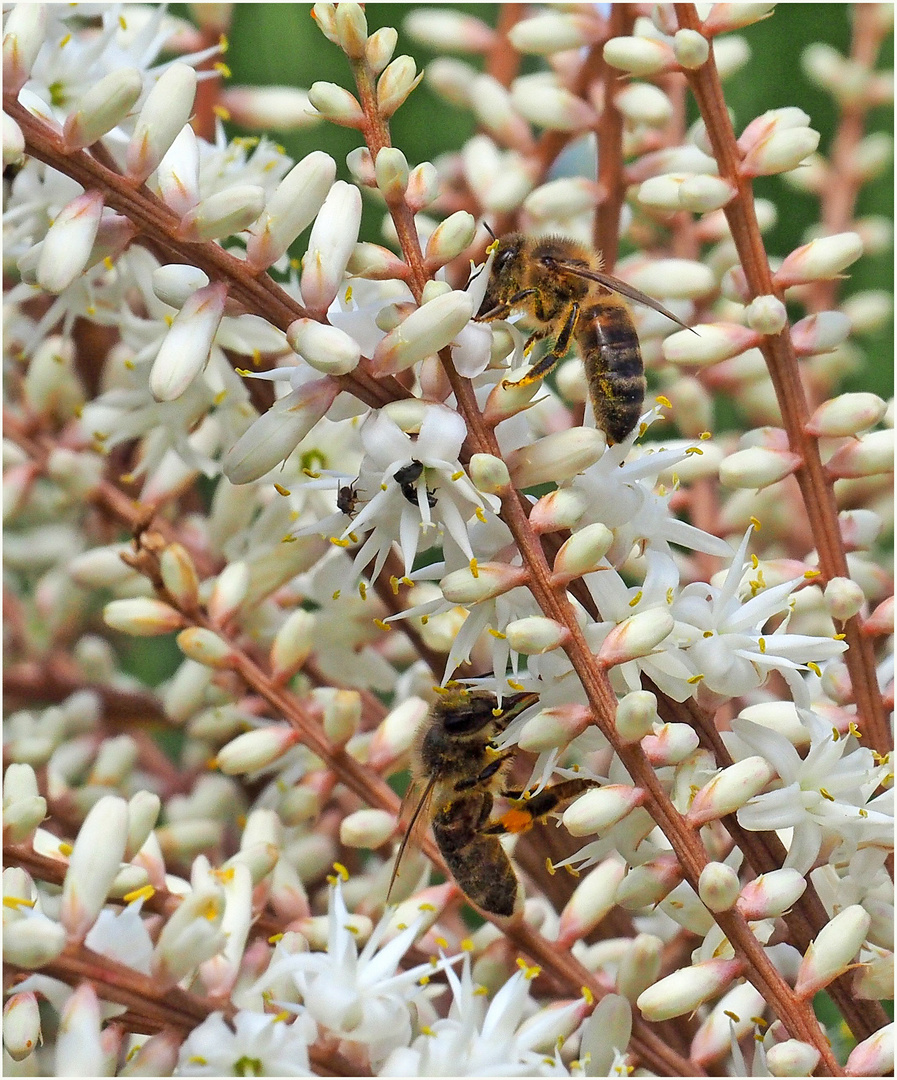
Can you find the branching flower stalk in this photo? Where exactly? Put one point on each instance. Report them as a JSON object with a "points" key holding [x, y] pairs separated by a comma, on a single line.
{"points": [[227, 895]]}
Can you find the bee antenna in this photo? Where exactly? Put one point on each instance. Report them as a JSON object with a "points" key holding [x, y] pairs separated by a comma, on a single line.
{"points": [[489, 230]]}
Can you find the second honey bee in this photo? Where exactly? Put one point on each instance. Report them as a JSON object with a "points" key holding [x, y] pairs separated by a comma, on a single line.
{"points": [[460, 771], [559, 285]]}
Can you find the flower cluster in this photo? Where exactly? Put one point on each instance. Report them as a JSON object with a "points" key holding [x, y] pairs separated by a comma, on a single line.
{"points": [[330, 478]]}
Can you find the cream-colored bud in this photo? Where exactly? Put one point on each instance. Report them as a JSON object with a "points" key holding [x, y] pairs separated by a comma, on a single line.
{"points": [[367, 829], [831, 952], [23, 35], [602, 807], [185, 349], [567, 196], [771, 894], [542, 35], [21, 1025], [396, 732], [867, 455], [256, 750], [766, 315], [489, 474], [391, 173], [636, 715], [205, 647], [175, 283], [342, 712], [639, 56], [639, 966], [687, 988], [757, 467], [535, 635], [729, 790], [164, 113], [678, 279], [556, 457], [843, 598], [582, 553], [691, 49], [104, 105], [490, 580], [718, 886], [639, 635], [820, 260], [427, 330], [559, 509], [223, 213], [554, 727], [67, 246], [326, 348], [142, 617], [423, 186], [792, 1058], [734, 1014], [351, 30], [269, 108], [642, 103], [396, 83], [592, 899], [34, 942], [444, 29], [670, 744], [336, 104], [291, 207], [179, 575], [873, 1056], [293, 644], [450, 238], [847, 415], [380, 47], [13, 142], [95, 860]]}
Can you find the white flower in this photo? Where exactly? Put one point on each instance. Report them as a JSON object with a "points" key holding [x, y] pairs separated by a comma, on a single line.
{"points": [[258, 1045]]}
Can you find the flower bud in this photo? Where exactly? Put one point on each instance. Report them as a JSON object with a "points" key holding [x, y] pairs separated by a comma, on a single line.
{"points": [[351, 30], [556, 457], [780, 149], [177, 174], [450, 238], [687, 988], [269, 108], [678, 279], [507, 399], [820, 333], [95, 860], [292, 645], [644, 104], [600, 808], [489, 474], [549, 106], [395, 84], [771, 894], [66, 248], [582, 553], [114, 761], [766, 315], [51, 385], [729, 790], [274, 436], [846, 415], [535, 635], [23, 35], [102, 107], [175, 283], [336, 104], [868, 455], [873, 1056], [342, 712], [185, 350], [205, 647], [709, 344], [179, 575], [735, 1014], [494, 109], [881, 622], [792, 1058], [820, 260], [691, 49], [21, 1025], [559, 509], [670, 744], [843, 598], [367, 829], [448, 30], [143, 814], [554, 727], [24, 808], [34, 942], [490, 580], [391, 174], [757, 467], [697, 193], [592, 899], [223, 213], [426, 330], [380, 47], [639, 966], [375, 262], [637, 636], [636, 715], [190, 936], [832, 951], [543, 35], [256, 749], [567, 196], [13, 142], [326, 348], [166, 110], [395, 734], [423, 186], [291, 208], [725, 17], [639, 55], [330, 245], [718, 886], [142, 617], [868, 310]]}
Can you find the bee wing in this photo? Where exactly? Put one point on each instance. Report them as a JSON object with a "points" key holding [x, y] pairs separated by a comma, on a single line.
{"points": [[417, 822], [621, 287]]}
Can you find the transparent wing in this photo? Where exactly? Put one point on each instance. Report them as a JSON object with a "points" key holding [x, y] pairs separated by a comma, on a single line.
{"points": [[621, 287], [415, 803]]}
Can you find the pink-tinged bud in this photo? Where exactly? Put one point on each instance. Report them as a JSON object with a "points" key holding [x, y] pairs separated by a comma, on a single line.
{"points": [[393, 738], [820, 260], [873, 1056], [142, 617], [256, 750], [167, 109], [776, 142], [868, 455], [179, 575], [832, 951], [767, 315], [494, 109], [336, 104], [191, 935], [95, 860], [555, 32], [691, 49], [729, 790], [771, 895], [490, 580], [376, 263], [143, 814], [570, 195], [274, 436], [326, 348], [582, 553], [718, 886], [687, 988], [636, 715], [223, 214], [66, 248], [559, 509], [868, 310], [725, 17], [292, 645], [699, 193], [292, 206], [351, 30], [185, 351], [711, 343], [489, 474], [177, 175], [330, 245], [639, 635], [269, 108], [23, 36], [34, 942], [670, 744], [843, 598], [881, 621], [639, 55], [423, 186], [380, 47], [21, 1025], [639, 966], [425, 331], [536, 635], [447, 30], [550, 106], [600, 808], [158, 1056], [205, 647], [13, 142], [756, 467], [592, 899], [735, 1014], [820, 333], [450, 238], [341, 712], [507, 399], [792, 1058], [367, 829], [395, 84], [554, 727], [847, 415], [556, 457], [391, 174], [102, 107]]}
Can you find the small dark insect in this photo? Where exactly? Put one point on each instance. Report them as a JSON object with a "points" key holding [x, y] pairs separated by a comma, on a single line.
{"points": [[346, 498], [558, 283], [407, 478], [457, 773]]}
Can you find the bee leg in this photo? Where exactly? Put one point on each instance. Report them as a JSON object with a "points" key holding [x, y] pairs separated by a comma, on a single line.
{"points": [[551, 359], [490, 770], [520, 818]]}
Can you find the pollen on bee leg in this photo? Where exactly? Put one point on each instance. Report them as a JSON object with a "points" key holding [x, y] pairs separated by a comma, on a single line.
{"points": [[516, 821]]}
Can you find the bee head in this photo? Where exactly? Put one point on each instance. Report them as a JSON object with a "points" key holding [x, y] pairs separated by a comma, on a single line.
{"points": [[505, 276]]}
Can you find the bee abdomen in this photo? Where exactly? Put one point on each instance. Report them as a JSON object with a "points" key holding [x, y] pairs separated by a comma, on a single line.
{"points": [[478, 863], [614, 368]]}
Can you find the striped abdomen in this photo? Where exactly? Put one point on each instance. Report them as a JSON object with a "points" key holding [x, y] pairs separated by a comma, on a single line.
{"points": [[614, 369]]}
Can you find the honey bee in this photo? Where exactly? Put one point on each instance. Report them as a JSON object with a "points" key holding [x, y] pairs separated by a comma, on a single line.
{"points": [[407, 478], [457, 773], [558, 283]]}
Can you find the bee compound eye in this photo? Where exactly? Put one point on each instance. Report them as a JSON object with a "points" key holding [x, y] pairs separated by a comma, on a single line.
{"points": [[472, 716]]}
